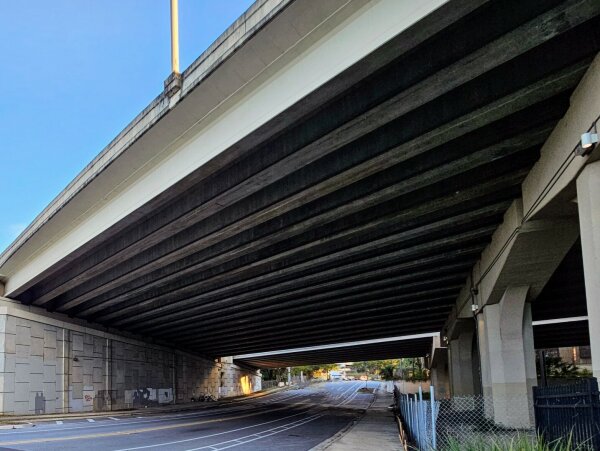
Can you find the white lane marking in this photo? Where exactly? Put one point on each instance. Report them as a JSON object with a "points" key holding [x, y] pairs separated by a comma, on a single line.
{"points": [[114, 418], [215, 434], [349, 399], [59, 422], [101, 425], [341, 395], [159, 419], [91, 420], [252, 438]]}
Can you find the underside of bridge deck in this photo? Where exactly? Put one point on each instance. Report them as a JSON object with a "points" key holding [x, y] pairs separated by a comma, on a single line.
{"points": [[562, 297], [359, 220], [412, 347]]}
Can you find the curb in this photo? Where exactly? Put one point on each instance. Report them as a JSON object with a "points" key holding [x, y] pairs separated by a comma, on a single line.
{"points": [[339, 434]]}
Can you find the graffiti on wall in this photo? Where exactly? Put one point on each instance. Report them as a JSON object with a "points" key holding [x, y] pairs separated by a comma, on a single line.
{"points": [[148, 397]]}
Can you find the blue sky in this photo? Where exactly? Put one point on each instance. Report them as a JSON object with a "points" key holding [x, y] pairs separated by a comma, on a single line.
{"points": [[73, 74]]}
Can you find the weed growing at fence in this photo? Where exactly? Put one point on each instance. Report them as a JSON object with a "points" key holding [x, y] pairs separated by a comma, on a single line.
{"points": [[517, 443]]}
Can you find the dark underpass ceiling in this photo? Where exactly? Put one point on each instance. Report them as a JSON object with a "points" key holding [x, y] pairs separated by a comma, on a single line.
{"points": [[563, 297], [415, 347], [362, 219]]}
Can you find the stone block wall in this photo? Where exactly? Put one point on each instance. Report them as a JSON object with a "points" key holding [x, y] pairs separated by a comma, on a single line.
{"points": [[46, 368]]}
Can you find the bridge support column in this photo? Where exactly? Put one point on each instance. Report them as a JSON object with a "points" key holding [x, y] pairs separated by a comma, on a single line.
{"points": [[462, 357], [439, 376], [508, 359], [588, 201]]}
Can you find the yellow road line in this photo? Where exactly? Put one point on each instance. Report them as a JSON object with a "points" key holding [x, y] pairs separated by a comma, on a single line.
{"points": [[136, 431]]}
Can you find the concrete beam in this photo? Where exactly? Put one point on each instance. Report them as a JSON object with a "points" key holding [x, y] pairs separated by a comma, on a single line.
{"points": [[312, 286], [588, 202], [339, 39], [454, 75], [369, 331], [519, 253], [399, 338], [186, 266], [267, 309], [550, 186], [395, 239]]}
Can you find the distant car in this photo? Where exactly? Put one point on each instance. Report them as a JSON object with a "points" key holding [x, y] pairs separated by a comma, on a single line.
{"points": [[364, 378], [335, 375], [351, 378]]}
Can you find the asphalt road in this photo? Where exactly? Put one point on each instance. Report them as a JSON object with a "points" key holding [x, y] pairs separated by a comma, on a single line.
{"points": [[287, 420]]}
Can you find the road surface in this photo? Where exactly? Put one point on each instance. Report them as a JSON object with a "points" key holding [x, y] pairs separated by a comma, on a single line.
{"points": [[287, 420]]}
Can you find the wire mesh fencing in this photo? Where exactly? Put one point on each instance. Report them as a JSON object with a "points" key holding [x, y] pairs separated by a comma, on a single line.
{"points": [[477, 419], [265, 385], [465, 420]]}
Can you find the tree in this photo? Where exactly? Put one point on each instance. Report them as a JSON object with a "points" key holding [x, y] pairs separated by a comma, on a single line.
{"points": [[556, 367], [310, 370], [387, 372], [412, 370]]}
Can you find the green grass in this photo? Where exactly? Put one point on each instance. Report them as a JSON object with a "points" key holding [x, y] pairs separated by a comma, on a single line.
{"points": [[517, 443]]}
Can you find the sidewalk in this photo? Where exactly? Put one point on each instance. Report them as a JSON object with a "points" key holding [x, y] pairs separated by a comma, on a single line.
{"points": [[375, 430]]}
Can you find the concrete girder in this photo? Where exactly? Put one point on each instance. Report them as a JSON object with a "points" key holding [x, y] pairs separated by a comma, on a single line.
{"points": [[357, 251], [393, 294], [405, 187], [503, 149], [296, 328], [305, 281], [409, 346], [550, 186], [322, 296], [547, 195], [327, 281], [368, 331], [429, 207], [554, 23], [311, 286], [518, 254], [531, 71], [256, 110], [431, 296]]}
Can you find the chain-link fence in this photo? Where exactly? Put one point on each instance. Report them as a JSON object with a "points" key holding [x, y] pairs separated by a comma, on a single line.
{"points": [[464, 422], [481, 419], [265, 385]]}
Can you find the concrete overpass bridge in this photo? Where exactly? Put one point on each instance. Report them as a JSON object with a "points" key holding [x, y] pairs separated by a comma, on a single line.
{"points": [[328, 172]]}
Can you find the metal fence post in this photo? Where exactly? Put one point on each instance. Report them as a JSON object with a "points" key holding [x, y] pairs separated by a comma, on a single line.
{"points": [[422, 426], [433, 428]]}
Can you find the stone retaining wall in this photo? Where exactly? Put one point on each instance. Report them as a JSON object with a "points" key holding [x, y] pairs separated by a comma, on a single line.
{"points": [[45, 368]]}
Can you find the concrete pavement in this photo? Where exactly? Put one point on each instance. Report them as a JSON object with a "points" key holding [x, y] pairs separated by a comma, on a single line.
{"points": [[291, 420], [375, 430]]}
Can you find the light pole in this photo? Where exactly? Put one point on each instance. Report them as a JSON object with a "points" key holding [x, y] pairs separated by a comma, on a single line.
{"points": [[173, 83]]}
